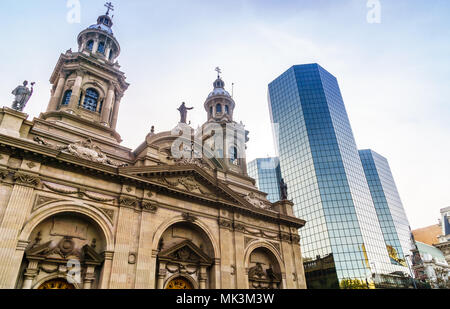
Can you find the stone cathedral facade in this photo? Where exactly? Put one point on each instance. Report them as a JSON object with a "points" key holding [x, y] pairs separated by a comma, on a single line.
{"points": [[80, 211]]}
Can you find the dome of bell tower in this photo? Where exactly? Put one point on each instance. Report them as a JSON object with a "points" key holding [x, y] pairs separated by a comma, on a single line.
{"points": [[98, 40], [219, 105]]}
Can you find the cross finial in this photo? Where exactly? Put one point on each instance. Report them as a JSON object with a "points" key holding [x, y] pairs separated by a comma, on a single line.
{"points": [[219, 71], [110, 6]]}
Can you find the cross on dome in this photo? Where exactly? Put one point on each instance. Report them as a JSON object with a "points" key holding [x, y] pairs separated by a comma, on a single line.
{"points": [[219, 71], [110, 6]]}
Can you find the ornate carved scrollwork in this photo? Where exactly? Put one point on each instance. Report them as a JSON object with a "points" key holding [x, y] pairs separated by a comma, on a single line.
{"points": [[26, 179], [228, 224], [128, 201], [295, 239], [189, 217], [285, 237], [149, 206], [88, 151]]}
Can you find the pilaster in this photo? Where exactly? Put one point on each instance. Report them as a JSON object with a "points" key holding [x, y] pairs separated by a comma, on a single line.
{"points": [[119, 272], [19, 207]]}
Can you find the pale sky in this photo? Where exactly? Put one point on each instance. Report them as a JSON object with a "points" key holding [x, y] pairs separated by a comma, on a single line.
{"points": [[394, 76]]}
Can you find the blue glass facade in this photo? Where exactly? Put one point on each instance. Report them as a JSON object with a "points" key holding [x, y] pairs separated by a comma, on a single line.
{"points": [[322, 168], [267, 174], [388, 205]]}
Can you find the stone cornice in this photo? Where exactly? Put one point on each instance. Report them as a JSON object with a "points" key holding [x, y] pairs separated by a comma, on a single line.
{"points": [[123, 173], [82, 120]]}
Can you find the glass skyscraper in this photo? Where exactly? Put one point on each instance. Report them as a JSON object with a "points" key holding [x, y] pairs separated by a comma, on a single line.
{"points": [[342, 242], [267, 174], [388, 205]]}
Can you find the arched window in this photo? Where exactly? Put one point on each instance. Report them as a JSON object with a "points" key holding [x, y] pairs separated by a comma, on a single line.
{"points": [[111, 56], [101, 47], [233, 154], [211, 110], [66, 98], [227, 109], [90, 45], [218, 109], [91, 100]]}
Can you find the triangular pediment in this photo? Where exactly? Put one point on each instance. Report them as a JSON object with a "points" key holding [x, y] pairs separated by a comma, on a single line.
{"points": [[185, 251], [90, 256], [39, 250], [191, 180]]}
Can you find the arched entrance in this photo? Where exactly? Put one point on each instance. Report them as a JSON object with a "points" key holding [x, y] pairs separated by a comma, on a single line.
{"points": [[185, 258], [264, 271], [64, 246], [179, 283], [57, 284]]}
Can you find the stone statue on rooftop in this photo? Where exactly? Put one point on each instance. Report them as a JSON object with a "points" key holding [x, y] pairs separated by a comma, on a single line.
{"points": [[23, 95], [183, 112]]}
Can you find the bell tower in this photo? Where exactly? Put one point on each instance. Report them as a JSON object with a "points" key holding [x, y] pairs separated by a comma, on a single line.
{"points": [[229, 146], [87, 85]]}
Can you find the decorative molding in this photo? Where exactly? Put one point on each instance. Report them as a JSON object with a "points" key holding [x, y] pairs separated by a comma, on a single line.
{"points": [[3, 173], [42, 201], [149, 206], [248, 240], [98, 197], [239, 227], [128, 202], [225, 223], [193, 161], [269, 235], [295, 239], [277, 246], [31, 165], [189, 217], [132, 258], [108, 212], [256, 202], [88, 151], [26, 179], [60, 188], [285, 237], [187, 184]]}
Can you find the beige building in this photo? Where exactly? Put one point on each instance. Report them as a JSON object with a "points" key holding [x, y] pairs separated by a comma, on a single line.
{"points": [[78, 210]]}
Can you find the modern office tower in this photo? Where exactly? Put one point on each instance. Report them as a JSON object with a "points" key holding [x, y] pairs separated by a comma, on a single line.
{"points": [[267, 174], [388, 205], [342, 242]]}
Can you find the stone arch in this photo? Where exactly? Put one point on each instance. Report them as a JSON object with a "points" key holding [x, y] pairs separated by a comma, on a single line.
{"points": [[56, 208], [185, 248], [184, 276], [179, 219], [272, 252], [52, 277]]}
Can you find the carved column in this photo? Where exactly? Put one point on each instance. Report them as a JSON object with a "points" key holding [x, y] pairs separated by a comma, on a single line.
{"points": [[106, 271], [162, 272], [19, 207], [95, 45], [106, 112], [116, 112], [57, 95], [76, 91], [202, 278], [89, 277], [30, 273], [119, 272]]}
